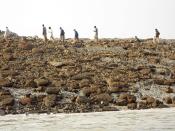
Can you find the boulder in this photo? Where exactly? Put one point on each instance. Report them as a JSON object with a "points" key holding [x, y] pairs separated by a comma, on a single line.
{"points": [[7, 50], [25, 46], [41, 82], [37, 51], [106, 98], [82, 100], [173, 100], [88, 90], [169, 90], [168, 100], [150, 100], [84, 83], [50, 100], [132, 106], [131, 99], [5, 83], [123, 96], [4, 92], [121, 102], [127, 97], [7, 101], [52, 90], [8, 57], [142, 104], [25, 101], [30, 83]]}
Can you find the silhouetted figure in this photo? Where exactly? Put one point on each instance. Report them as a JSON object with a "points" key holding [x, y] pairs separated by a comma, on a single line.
{"points": [[50, 33], [156, 38], [137, 39], [96, 34], [44, 33], [7, 34], [62, 34], [76, 37]]}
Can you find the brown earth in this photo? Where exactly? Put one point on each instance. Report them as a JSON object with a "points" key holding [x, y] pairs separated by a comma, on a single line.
{"points": [[113, 74]]}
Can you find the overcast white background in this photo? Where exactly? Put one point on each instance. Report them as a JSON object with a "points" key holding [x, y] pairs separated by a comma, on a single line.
{"points": [[114, 18]]}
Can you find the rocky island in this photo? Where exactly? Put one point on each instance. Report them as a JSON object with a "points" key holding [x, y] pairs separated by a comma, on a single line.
{"points": [[85, 76]]}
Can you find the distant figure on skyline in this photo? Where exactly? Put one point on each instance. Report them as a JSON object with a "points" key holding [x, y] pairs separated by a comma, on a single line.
{"points": [[137, 39], [76, 37], [44, 33], [50, 33], [96, 34], [156, 38], [62, 34], [7, 34]]}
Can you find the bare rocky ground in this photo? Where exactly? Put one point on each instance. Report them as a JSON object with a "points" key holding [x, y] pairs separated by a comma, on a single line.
{"points": [[112, 75]]}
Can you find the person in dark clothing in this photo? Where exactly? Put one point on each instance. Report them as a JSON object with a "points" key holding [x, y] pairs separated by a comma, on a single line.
{"points": [[62, 34], [76, 38], [156, 38], [137, 39], [44, 33]]}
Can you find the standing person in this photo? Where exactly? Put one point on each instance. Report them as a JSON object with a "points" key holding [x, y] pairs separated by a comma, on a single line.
{"points": [[76, 38], [51, 33], [96, 34], [156, 38], [6, 34], [44, 33], [62, 34]]}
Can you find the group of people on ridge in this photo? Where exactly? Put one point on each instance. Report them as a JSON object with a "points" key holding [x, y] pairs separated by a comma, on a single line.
{"points": [[8, 33], [62, 34]]}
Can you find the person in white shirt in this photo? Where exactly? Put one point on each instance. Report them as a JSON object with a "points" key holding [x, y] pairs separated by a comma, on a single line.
{"points": [[7, 33], [96, 33], [51, 33]]}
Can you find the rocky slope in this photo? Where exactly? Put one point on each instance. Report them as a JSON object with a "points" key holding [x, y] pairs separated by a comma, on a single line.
{"points": [[115, 74]]}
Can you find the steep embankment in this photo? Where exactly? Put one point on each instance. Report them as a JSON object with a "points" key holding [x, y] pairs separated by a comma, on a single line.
{"points": [[83, 77]]}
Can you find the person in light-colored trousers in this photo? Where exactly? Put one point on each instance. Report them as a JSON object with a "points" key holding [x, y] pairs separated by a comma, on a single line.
{"points": [[96, 34], [156, 38]]}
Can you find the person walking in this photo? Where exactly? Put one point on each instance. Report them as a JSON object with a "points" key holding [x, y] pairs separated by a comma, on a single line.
{"points": [[156, 38], [7, 34], [62, 34], [44, 33], [51, 34], [96, 33], [76, 37]]}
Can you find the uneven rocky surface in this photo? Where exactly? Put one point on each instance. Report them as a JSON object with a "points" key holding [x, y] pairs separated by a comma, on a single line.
{"points": [[111, 75]]}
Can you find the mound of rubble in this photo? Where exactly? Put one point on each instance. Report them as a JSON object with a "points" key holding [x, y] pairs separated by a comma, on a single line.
{"points": [[69, 77]]}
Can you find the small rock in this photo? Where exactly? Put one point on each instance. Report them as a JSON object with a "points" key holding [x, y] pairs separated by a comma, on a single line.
{"points": [[37, 51], [50, 100], [168, 100], [82, 100], [52, 90], [41, 82], [106, 98], [8, 101], [173, 100], [169, 90], [5, 83], [132, 106], [121, 102], [150, 100], [25, 46], [25, 101]]}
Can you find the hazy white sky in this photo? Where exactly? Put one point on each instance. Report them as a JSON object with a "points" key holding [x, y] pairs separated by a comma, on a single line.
{"points": [[114, 18]]}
